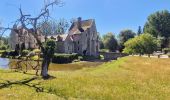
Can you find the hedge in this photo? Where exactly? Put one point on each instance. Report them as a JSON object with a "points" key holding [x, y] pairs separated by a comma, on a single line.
{"points": [[64, 58], [6, 53], [166, 50], [25, 52]]}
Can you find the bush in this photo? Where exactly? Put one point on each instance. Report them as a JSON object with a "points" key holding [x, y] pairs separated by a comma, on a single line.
{"points": [[64, 58], [104, 50], [101, 57], [13, 53], [88, 58], [1, 51], [25, 52], [166, 50], [4, 54], [3, 47], [37, 50]]}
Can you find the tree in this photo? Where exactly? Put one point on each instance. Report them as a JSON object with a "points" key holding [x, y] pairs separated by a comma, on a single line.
{"points": [[27, 21], [124, 36], [139, 31], [4, 43], [110, 42], [53, 27], [101, 43], [144, 43], [49, 48], [158, 24]]}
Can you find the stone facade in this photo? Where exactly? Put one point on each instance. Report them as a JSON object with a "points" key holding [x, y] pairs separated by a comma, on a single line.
{"points": [[82, 38], [21, 38]]}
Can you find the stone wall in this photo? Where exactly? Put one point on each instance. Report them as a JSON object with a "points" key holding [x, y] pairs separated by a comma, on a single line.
{"points": [[112, 55]]}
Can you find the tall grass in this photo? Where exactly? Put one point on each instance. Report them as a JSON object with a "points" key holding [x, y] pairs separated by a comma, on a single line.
{"points": [[129, 78]]}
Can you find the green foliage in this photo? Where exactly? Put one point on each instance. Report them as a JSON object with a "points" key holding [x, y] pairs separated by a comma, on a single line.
{"points": [[4, 54], [166, 50], [104, 50], [49, 47], [101, 43], [144, 43], [158, 25], [3, 47], [139, 31], [89, 58], [37, 50], [124, 36], [110, 42], [64, 58], [25, 52]]}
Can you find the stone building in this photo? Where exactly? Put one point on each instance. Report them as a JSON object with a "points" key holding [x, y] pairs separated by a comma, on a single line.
{"points": [[21, 38], [82, 38]]}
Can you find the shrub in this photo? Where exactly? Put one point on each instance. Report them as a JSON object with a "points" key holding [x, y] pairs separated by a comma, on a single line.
{"points": [[3, 47], [166, 50], [1, 51], [25, 52], [101, 57], [104, 50], [64, 58], [80, 58], [88, 58], [13, 53], [4, 54], [37, 50]]}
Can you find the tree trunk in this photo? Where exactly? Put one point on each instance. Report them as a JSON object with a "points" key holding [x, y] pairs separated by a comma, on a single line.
{"points": [[44, 69], [149, 55]]}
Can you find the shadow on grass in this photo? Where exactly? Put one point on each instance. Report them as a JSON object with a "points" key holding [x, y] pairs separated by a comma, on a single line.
{"points": [[22, 82]]}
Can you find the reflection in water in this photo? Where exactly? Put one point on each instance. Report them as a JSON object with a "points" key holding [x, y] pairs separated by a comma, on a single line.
{"points": [[55, 67], [4, 63]]}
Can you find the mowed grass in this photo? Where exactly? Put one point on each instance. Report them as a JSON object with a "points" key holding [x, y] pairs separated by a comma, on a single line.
{"points": [[129, 78]]}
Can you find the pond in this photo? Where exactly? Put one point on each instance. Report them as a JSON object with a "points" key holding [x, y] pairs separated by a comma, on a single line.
{"points": [[4, 64]]}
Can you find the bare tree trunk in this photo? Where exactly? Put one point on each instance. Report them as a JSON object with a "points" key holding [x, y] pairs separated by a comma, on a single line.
{"points": [[45, 65]]}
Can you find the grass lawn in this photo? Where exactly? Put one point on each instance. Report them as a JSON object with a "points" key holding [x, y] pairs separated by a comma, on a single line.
{"points": [[129, 78]]}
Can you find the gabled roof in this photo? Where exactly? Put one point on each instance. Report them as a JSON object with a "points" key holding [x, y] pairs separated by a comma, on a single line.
{"points": [[59, 36], [85, 24]]}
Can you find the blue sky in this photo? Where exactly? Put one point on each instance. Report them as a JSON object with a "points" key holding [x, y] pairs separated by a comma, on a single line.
{"points": [[110, 15]]}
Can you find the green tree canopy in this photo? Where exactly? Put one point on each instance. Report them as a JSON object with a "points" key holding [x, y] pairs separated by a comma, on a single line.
{"points": [[158, 24], [110, 42], [124, 36], [144, 43]]}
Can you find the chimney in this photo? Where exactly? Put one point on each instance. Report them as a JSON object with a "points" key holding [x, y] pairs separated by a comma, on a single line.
{"points": [[79, 23]]}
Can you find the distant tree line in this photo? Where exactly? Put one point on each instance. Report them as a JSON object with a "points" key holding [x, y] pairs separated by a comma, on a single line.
{"points": [[4, 43], [154, 36]]}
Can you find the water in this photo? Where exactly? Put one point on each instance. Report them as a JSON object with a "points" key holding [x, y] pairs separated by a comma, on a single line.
{"points": [[4, 64]]}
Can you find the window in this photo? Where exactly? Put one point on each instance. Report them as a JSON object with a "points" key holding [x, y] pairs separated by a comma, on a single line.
{"points": [[78, 42], [78, 48], [68, 48]]}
